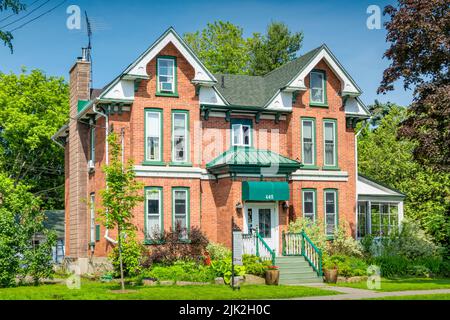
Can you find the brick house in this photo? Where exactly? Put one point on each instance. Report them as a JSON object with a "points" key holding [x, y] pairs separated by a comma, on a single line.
{"points": [[265, 150]]}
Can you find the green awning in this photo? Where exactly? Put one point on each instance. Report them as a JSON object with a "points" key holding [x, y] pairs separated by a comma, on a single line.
{"points": [[265, 191]]}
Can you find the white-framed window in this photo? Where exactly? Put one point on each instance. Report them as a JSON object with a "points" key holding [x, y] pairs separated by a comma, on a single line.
{"points": [[317, 87], [329, 143], [166, 75], [363, 219], [309, 204], [241, 134], [180, 205], [308, 142], [383, 218], [92, 217], [330, 199], [153, 145], [180, 137], [153, 211]]}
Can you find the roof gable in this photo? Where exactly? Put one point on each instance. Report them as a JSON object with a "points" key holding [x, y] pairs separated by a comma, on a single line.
{"points": [[369, 187]]}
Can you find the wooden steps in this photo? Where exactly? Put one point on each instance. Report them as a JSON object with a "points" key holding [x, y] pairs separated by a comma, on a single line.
{"points": [[296, 270]]}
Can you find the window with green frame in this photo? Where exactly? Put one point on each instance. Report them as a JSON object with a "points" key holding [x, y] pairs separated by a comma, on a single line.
{"points": [[181, 210], [166, 76], [330, 198], [308, 139], [318, 88], [153, 136], [330, 155], [154, 225], [92, 146], [241, 132], [180, 137], [309, 203]]}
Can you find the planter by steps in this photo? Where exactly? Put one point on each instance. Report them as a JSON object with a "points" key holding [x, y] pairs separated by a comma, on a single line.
{"points": [[331, 275], [272, 276]]}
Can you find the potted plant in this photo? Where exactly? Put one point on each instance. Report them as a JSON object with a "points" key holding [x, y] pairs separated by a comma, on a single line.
{"points": [[330, 270], [272, 275]]}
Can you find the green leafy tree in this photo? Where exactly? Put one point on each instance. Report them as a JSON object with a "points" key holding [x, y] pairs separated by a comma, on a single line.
{"points": [[119, 198], [383, 156], [419, 36], [21, 221], [270, 51], [15, 6], [33, 107], [221, 47]]}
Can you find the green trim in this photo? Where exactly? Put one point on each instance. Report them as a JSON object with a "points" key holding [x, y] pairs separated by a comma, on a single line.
{"points": [[188, 207], [180, 164], [97, 232], [155, 163], [175, 78], [314, 190], [161, 212], [161, 138], [188, 140], [314, 140], [92, 146], [81, 105], [336, 208], [336, 164], [248, 122], [323, 104]]}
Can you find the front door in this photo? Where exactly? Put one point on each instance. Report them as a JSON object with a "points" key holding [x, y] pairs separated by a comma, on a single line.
{"points": [[263, 217]]}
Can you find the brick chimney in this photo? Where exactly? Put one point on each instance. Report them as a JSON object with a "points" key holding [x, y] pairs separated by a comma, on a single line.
{"points": [[77, 154]]}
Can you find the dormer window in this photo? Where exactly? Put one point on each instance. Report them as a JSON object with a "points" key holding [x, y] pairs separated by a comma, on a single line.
{"points": [[166, 76], [317, 83]]}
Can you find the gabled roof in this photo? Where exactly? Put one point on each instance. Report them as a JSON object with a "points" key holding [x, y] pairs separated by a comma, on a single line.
{"points": [[55, 221], [251, 160], [369, 187]]}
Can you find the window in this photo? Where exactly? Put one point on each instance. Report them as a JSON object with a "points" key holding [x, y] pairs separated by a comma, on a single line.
{"points": [[166, 70], [153, 143], [92, 149], [153, 208], [92, 218], [317, 88], [362, 219], [308, 142], [309, 204], [383, 218], [180, 136], [329, 143], [180, 204], [330, 198], [241, 133], [265, 223]]}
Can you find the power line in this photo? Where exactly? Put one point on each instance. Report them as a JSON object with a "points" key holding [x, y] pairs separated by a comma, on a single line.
{"points": [[21, 18], [15, 14], [46, 12]]}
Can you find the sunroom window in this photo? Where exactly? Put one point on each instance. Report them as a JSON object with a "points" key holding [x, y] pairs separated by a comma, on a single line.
{"points": [[166, 75]]}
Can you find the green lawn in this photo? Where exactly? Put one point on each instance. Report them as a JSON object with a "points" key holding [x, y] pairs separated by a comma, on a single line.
{"points": [[91, 290], [442, 296], [403, 284]]}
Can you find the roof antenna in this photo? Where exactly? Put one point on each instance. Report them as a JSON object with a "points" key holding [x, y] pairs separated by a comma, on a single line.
{"points": [[87, 51], [223, 82]]}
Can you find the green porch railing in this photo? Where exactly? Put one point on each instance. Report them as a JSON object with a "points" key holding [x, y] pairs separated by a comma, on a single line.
{"points": [[254, 244], [299, 244]]}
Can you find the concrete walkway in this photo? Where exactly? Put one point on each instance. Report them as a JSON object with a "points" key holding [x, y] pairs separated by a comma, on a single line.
{"points": [[355, 294]]}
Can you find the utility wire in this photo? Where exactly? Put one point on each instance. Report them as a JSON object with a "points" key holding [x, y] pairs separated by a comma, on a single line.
{"points": [[15, 14], [21, 18], [46, 12]]}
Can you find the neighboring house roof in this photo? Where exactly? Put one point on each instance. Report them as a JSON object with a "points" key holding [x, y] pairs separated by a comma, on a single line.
{"points": [[370, 187], [55, 221], [251, 160]]}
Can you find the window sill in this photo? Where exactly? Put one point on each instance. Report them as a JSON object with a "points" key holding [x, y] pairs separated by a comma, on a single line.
{"points": [[319, 105], [153, 163], [180, 164], [325, 168], [167, 94], [309, 167]]}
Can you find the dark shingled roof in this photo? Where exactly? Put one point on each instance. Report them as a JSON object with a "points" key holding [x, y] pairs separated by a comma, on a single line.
{"points": [[256, 91], [55, 221]]}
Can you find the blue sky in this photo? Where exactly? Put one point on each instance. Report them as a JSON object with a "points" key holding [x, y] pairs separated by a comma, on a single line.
{"points": [[123, 29]]}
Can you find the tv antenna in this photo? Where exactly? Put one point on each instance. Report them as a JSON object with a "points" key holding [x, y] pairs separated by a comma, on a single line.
{"points": [[89, 46]]}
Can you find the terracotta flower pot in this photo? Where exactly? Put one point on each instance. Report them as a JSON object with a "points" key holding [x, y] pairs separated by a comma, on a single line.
{"points": [[272, 277], [331, 275]]}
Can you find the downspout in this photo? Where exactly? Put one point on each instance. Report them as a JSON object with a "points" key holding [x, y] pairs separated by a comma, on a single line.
{"points": [[94, 109]]}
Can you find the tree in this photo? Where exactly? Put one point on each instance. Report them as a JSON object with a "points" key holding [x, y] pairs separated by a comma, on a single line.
{"points": [[15, 6], [386, 157], [119, 198], [221, 47], [33, 107], [21, 220], [270, 51], [419, 33]]}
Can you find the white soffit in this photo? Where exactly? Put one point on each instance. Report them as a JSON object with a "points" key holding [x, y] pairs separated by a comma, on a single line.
{"points": [[368, 187]]}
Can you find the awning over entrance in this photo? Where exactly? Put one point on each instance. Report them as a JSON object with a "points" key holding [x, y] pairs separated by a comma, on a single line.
{"points": [[265, 191]]}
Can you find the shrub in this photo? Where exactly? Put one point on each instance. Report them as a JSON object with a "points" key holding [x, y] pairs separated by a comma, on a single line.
{"points": [[313, 229], [254, 265], [132, 253], [222, 268], [181, 271], [343, 243], [171, 247], [400, 266], [218, 251], [347, 266]]}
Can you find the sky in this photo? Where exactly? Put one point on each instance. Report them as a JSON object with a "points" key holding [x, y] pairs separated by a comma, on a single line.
{"points": [[122, 30]]}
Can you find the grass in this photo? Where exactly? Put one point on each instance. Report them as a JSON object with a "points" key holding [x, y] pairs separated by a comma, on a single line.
{"points": [[441, 296], [402, 284], [91, 290]]}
